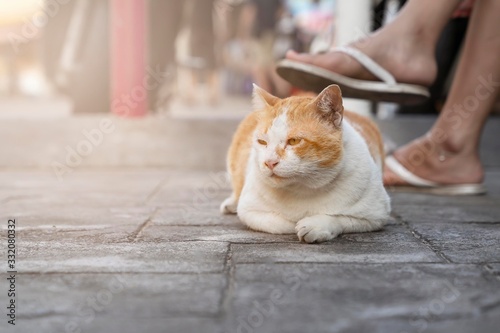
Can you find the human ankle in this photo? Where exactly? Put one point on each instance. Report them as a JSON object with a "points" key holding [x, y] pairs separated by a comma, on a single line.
{"points": [[459, 146], [449, 143]]}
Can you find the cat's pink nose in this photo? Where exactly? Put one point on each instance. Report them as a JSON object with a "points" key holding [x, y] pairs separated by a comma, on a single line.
{"points": [[271, 164]]}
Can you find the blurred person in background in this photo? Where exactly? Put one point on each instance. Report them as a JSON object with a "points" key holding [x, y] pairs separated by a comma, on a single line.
{"points": [[165, 21], [238, 50], [259, 20], [202, 58]]}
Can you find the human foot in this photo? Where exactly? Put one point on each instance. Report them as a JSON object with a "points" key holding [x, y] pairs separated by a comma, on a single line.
{"points": [[432, 161], [407, 58]]}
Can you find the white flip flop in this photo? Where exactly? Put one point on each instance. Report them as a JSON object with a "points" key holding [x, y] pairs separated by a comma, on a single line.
{"points": [[420, 185], [314, 78]]}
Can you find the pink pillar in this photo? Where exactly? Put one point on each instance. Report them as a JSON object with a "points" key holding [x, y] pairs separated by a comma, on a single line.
{"points": [[128, 58]]}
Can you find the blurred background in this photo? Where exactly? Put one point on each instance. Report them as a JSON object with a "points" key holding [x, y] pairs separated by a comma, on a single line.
{"points": [[61, 57], [175, 58]]}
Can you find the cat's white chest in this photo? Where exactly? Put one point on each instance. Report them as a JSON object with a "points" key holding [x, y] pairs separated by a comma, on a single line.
{"points": [[291, 206]]}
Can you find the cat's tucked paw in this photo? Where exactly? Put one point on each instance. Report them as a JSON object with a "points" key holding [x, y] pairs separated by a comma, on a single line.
{"points": [[229, 206], [315, 229]]}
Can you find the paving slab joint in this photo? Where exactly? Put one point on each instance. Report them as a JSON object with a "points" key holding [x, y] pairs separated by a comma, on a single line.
{"points": [[134, 236], [423, 240], [227, 292]]}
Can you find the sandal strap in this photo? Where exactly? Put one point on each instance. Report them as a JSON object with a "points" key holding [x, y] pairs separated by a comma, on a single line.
{"points": [[368, 63], [406, 174]]}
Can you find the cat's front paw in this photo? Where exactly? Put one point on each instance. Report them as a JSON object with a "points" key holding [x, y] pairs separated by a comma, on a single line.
{"points": [[316, 229], [229, 206]]}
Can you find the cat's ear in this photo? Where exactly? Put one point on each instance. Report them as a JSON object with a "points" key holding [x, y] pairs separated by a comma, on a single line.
{"points": [[261, 98], [329, 104]]}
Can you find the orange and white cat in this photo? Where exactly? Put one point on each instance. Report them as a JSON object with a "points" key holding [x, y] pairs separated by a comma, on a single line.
{"points": [[304, 165]]}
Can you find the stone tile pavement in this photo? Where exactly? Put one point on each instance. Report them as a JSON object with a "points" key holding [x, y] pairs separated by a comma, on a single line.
{"points": [[145, 250], [136, 249]]}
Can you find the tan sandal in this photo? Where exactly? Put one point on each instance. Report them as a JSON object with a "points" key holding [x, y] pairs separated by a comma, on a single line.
{"points": [[420, 185]]}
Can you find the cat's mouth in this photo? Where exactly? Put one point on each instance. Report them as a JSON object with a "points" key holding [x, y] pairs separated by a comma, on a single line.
{"points": [[275, 176]]}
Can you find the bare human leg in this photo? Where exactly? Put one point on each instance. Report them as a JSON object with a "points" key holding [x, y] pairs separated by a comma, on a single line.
{"points": [[449, 153]]}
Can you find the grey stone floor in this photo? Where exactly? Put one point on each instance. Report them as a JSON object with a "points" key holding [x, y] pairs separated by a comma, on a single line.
{"points": [[145, 250], [134, 249]]}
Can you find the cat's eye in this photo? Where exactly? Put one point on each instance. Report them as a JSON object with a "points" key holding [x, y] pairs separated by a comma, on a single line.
{"points": [[262, 142], [294, 141]]}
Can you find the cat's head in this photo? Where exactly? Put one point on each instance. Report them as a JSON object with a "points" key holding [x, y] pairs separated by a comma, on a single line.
{"points": [[298, 140]]}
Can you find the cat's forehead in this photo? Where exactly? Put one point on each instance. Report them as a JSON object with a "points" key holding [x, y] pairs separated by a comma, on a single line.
{"points": [[291, 113], [281, 119], [279, 126]]}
